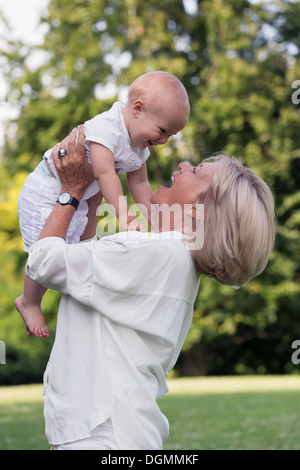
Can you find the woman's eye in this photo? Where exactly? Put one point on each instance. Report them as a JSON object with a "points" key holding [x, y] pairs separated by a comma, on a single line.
{"points": [[162, 131]]}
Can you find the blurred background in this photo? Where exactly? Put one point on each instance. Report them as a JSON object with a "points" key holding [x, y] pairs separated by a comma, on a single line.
{"points": [[240, 63]]}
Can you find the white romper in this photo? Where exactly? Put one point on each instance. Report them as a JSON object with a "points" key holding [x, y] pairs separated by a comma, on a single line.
{"points": [[41, 189]]}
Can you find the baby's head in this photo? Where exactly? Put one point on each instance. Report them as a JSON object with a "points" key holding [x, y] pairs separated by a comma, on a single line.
{"points": [[157, 107]]}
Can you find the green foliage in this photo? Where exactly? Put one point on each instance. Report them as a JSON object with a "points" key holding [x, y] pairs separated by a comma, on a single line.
{"points": [[26, 357], [238, 61]]}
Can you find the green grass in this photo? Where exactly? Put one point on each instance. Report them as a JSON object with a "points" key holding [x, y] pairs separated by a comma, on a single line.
{"points": [[236, 413], [21, 418], [233, 413]]}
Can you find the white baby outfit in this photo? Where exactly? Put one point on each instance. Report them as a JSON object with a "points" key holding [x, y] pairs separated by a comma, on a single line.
{"points": [[41, 189]]}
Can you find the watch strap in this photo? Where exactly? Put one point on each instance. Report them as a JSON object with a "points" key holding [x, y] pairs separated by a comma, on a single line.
{"points": [[72, 201]]}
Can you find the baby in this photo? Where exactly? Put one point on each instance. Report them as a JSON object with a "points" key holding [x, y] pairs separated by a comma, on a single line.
{"points": [[117, 141]]}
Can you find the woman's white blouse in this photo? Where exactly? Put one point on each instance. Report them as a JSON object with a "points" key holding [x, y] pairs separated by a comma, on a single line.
{"points": [[125, 312]]}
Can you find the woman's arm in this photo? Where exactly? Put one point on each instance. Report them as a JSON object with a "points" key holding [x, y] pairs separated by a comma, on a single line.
{"points": [[76, 175]]}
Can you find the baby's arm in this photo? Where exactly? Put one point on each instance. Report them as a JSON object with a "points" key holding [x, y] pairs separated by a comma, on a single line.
{"points": [[110, 185], [141, 190], [91, 227]]}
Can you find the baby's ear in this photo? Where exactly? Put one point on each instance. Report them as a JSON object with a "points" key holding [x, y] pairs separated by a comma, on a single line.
{"points": [[138, 107]]}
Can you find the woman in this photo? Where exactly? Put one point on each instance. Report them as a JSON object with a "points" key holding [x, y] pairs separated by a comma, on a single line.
{"points": [[128, 299]]}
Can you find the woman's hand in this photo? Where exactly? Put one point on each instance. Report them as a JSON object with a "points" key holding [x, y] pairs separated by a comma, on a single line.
{"points": [[73, 169], [76, 175]]}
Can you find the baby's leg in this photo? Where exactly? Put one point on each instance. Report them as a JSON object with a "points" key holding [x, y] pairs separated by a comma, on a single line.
{"points": [[29, 307]]}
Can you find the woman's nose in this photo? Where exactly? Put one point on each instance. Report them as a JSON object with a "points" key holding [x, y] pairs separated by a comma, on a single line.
{"points": [[184, 166]]}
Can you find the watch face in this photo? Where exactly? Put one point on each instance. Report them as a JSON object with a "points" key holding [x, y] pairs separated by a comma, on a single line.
{"points": [[64, 198]]}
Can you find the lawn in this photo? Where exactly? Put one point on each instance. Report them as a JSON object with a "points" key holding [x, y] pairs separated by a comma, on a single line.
{"points": [[232, 413]]}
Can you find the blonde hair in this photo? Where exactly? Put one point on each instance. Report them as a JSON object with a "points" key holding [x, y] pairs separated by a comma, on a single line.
{"points": [[152, 87], [239, 224]]}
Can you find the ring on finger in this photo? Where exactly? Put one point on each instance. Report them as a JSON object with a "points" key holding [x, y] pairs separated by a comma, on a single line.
{"points": [[62, 153]]}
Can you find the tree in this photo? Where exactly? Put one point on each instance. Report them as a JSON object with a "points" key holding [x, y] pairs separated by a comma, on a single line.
{"points": [[238, 61], [245, 109]]}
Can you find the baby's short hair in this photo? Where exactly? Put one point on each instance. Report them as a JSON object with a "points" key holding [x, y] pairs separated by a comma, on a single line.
{"points": [[157, 85]]}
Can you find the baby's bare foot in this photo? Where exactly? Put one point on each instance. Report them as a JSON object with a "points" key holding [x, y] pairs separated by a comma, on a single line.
{"points": [[33, 318]]}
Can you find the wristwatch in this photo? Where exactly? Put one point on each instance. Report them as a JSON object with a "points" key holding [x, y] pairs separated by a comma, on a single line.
{"points": [[66, 198]]}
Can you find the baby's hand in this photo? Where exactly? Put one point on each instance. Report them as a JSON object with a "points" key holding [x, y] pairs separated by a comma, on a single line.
{"points": [[134, 225]]}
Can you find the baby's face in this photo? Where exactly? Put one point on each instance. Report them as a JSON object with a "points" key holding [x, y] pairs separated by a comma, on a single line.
{"points": [[150, 128]]}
